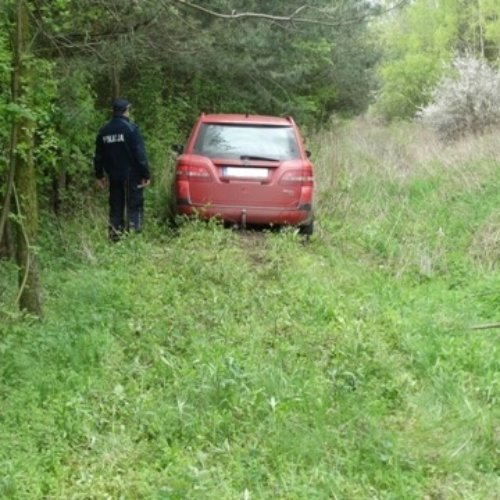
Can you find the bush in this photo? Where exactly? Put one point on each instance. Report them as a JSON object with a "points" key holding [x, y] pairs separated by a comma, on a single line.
{"points": [[467, 101]]}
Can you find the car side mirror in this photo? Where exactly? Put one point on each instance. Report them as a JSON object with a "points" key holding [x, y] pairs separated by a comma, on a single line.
{"points": [[308, 153], [178, 148]]}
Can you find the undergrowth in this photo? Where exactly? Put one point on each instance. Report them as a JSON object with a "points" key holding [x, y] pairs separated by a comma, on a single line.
{"points": [[208, 363]]}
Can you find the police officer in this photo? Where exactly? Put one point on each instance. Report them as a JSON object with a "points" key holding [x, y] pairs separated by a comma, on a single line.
{"points": [[120, 158]]}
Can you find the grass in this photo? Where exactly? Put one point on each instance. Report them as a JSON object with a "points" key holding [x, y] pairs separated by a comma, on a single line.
{"points": [[213, 364]]}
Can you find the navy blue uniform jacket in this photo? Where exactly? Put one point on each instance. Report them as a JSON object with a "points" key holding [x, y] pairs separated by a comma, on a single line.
{"points": [[119, 151]]}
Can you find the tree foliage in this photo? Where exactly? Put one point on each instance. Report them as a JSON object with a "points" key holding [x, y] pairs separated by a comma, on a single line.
{"points": [[5, 95], [420, 38], [172, 59]]}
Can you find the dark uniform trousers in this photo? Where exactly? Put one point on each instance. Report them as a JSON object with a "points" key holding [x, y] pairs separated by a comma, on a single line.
{"points": [[126, 205]]}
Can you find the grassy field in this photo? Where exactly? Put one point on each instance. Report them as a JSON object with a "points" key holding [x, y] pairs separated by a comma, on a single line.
{"points": [[214, 364]]}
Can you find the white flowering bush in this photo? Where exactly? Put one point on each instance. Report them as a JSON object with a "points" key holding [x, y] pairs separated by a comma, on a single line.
{"points": [[466, 101]]}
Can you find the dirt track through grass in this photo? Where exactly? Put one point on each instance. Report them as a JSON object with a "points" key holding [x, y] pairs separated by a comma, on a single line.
{"points": [[214, 364]]}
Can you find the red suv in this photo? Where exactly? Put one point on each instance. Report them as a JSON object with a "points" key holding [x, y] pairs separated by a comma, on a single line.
{"points": [[246, 169]]}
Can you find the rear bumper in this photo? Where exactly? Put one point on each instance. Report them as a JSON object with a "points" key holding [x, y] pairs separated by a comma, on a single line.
{"points": [[249, 215]]}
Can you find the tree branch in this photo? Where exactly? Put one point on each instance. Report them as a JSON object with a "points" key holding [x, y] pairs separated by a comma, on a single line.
{"points": [[240, 15], [10, 184], [486, 326], [292, 18]]}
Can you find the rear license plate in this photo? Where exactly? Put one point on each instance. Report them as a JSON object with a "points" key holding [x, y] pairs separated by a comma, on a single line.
{"points": [[245, 172]]}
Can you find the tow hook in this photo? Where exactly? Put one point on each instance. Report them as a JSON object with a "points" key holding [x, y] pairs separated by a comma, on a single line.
{"points": [[244, 219]]}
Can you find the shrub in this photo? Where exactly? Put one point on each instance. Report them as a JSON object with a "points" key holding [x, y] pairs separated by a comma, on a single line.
{"points": [[465, 101]]}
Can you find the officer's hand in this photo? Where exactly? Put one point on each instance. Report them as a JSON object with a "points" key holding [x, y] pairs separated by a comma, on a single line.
{"points": [[144, 183], [101, 183]]}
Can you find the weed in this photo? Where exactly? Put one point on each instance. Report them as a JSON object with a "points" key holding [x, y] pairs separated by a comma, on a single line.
{"points": [[214, 364]]}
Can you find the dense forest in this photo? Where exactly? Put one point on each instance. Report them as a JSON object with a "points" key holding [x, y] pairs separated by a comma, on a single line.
{"points": [[196, 362], [63, 62]]}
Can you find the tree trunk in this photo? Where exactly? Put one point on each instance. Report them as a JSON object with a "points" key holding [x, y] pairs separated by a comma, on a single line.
{"points": [[7, 247], [59, 185], [6, 204], [115, 82], [25, 194]]}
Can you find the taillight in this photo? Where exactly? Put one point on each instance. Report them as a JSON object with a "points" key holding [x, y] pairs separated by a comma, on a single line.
{"points": [[298, 178], [193, 173]]}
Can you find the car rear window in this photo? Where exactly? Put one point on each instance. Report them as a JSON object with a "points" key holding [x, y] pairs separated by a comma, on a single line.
{"points": [[254, 141]]}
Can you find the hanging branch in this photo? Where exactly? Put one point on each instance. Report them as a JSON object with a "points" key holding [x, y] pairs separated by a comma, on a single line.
{"points": [[240, 15], [292, 18]]}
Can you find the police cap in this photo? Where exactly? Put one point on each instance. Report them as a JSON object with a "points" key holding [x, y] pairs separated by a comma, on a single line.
{"points": [[120, 105]]}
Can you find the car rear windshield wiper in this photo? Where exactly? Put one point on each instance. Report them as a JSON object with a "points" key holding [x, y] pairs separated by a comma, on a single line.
{"points": [[261, 158]]}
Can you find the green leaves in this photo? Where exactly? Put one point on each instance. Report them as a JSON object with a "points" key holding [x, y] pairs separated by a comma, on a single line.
{"points": [[421, 40]]}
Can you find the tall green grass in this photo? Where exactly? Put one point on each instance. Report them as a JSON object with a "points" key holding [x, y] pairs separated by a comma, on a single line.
{"points": [[212, 364]]}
